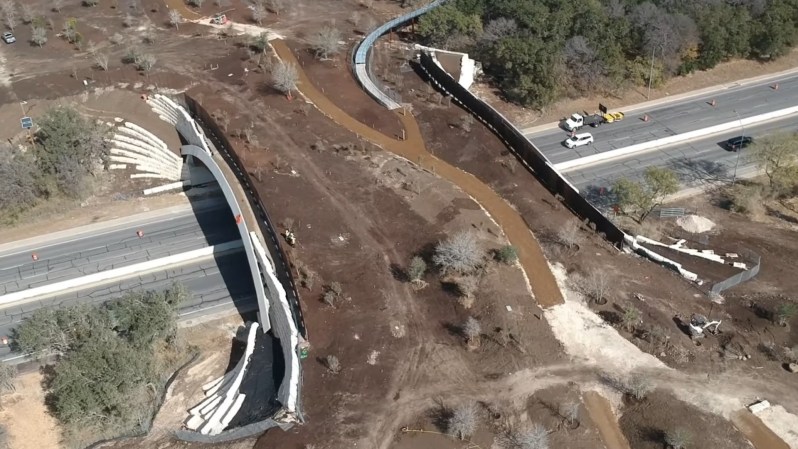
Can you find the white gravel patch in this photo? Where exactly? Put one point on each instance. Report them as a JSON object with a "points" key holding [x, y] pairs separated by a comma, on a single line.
{"points": [[782, 423], [695, 224], [586, 337]]}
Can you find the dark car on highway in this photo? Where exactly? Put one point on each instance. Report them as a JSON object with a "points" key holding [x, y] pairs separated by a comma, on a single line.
{"points": [[739, 142]]}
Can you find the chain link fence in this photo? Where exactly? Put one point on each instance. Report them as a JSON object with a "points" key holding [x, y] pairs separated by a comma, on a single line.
{"points": [[747, 256]]}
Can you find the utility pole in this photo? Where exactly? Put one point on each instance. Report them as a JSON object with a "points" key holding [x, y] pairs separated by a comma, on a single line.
{"points": [[737, 162]]}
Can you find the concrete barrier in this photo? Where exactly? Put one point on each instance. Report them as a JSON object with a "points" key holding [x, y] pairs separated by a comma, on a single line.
{"points": [[631, 242], [678, 138], [108, 275]]}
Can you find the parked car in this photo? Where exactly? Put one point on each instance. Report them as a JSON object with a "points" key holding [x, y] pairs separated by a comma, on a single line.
{"points": [[9, 38], [739, 142], [578, 140]]}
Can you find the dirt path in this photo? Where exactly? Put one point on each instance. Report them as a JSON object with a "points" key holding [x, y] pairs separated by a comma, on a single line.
{"points": [[757, 432], [601, 413], [542, 282]]}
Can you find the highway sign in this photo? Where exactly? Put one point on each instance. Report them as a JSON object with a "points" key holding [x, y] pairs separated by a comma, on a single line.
{"points": [[26, 122]]}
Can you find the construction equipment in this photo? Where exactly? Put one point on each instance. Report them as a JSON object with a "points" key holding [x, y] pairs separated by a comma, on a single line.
{"points": [[219, 19], [699, 323]]}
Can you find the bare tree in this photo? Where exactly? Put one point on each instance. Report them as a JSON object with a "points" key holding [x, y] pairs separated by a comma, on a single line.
{"points": [[197, 3], [498, 29], [530, 437], [587, 70], [57, 5], [91, 2], [459, 253], [175, 19], [128, 21], [472, 330], [678, 438], [597, 284], [570, 412], [9, 10], [145, 62], [326, 42], [26, 11], [285, 77], [333, 364], [463, 421], [638, 386], [277, 6], [101, 59], [569, 234], [38, 35], [467, 122], [258, 13]]}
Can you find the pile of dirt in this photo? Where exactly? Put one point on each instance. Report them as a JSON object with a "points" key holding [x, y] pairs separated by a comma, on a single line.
{"points": [[695, 224]]}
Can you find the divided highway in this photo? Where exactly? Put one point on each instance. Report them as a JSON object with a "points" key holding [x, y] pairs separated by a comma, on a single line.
{"points": [[675, 118], [75, 257], [697, 162]]}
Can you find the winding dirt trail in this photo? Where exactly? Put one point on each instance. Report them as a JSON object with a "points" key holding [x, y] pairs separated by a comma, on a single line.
{"points": [[601, 414], [530, 255]]}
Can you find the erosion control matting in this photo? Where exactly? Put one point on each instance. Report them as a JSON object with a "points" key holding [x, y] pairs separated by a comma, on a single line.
{"points": [[261, 381]]}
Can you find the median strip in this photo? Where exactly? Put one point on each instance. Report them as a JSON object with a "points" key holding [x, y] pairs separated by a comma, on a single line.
{"points": [[108, 275], [678, 138]]}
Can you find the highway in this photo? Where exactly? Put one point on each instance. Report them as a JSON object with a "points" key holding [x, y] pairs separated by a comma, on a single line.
{"points": [[213, 284], [70, 258], [700, 162], [675, 118]]}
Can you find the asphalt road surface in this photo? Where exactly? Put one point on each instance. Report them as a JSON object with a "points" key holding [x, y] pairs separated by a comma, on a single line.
{"points": [[675, 118], [700, 162], [105, 250], [214, 283]]}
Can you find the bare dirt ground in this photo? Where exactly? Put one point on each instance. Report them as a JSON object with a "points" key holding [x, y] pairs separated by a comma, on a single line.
{"points": [[360, 213]]}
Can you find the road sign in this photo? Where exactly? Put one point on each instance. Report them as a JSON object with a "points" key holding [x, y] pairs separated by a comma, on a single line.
{"points": [[602, 108], [26, 122]]}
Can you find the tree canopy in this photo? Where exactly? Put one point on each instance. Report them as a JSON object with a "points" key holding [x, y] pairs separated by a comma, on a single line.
{"points": [[539, 50], [637, 199]]}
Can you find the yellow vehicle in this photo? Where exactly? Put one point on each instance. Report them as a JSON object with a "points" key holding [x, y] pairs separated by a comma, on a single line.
{"points": [[613, 117]]}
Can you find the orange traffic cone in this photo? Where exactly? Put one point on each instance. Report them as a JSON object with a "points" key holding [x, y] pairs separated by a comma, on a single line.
{"points": [[775, 86], [239, 219], [712, 103], [140, 234], [645, 117], [34, 256]]}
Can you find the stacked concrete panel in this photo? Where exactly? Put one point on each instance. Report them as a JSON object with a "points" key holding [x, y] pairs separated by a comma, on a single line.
{"points": [[168, 110], [222, 398], [134, 145]]}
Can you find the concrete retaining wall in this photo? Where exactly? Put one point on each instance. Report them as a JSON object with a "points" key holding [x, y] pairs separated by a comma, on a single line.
{"points": [[631, 242], [175, 114], [285, 328], [684, 137], [132, 144]]}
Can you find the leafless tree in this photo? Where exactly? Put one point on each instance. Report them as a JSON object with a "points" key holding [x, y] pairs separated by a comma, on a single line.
{"points": [[326, 42], [145, 62], [91, 2], [459, 253], [498, 29], [9, 10], [116, 38], [101, 59], [175, 18], [26, 11], [569, 234], [285, 77], [277, 6], [463, 421], [467, 122], [57, 5], [677, 438], [333, 364], [128, 21], [472, 330], [597, 284], [587, 70], [530, 437], [38, 35], [570, 412], [638, 386], [197, 3], [258, 13]]}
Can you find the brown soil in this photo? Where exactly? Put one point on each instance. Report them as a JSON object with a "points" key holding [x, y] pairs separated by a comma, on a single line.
{"points": [[645, 424], [25, 416], [600, 411], [757, 432]]}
